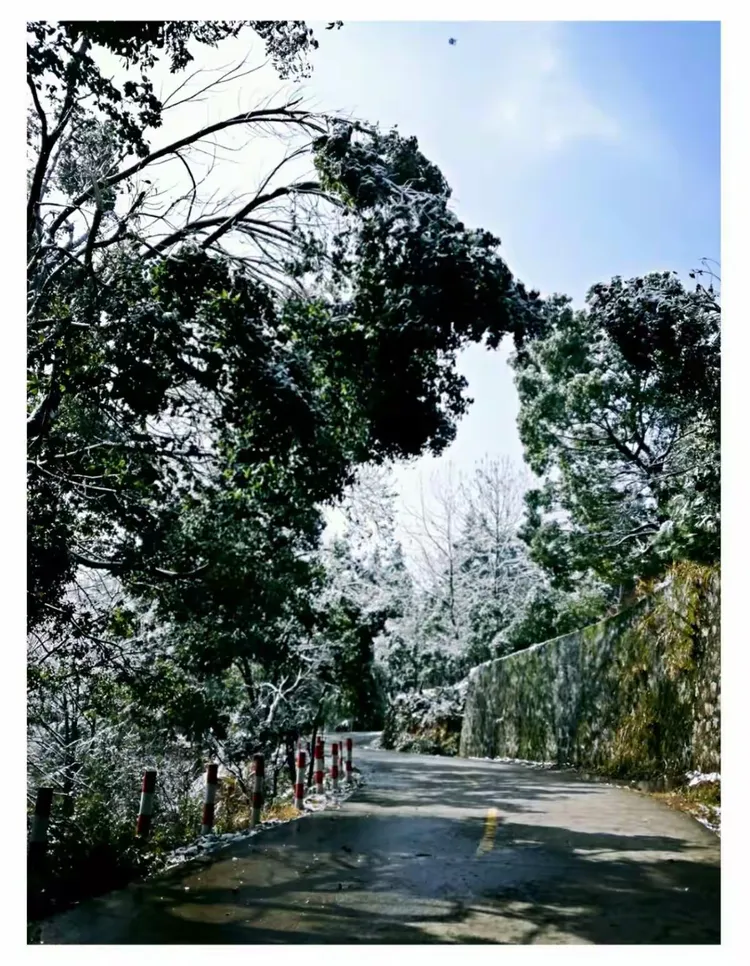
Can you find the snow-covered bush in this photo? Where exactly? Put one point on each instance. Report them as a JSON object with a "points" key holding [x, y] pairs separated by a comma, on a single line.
{"points": [[426, 721]]}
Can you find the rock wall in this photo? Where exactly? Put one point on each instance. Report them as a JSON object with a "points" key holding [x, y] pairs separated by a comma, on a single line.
{"points": [[635, 696]]}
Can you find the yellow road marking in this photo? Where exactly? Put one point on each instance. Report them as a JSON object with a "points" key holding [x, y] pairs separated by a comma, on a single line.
{"points": [[490, 829]]}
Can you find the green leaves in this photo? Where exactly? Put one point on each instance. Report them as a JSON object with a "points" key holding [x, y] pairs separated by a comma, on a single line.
{"points": [[422, 287], [627, 451]]}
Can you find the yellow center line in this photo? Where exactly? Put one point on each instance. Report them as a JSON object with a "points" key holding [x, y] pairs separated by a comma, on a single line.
{"points": [[490, 829]]}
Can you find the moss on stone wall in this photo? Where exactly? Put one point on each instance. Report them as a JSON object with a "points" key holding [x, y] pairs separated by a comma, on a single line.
{"points": [[635, 696]]}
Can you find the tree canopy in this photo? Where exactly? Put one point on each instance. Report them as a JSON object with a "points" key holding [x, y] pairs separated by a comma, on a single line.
{"points": [[620, 419], [166, 371]]}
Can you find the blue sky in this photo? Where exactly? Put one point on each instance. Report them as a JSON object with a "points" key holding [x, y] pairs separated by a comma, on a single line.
{"points": [[591, 149]]}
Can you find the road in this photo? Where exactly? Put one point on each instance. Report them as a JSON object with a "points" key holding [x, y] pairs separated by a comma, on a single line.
{"points": [[438, 850]]}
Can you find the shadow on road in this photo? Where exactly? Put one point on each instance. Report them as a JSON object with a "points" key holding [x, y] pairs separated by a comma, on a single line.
{"points": [[476, 788], [382, 885], [401, 864]]}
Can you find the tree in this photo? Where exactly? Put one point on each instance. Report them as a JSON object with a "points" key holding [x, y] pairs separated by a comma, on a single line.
{"points": [[206, 373], [474, 575], [62, 57], [620, 418], [496, 569], [435, 533], [267, 344], [366, 592]]}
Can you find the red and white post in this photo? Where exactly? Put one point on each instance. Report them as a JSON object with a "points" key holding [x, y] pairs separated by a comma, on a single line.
{"points": [[319, 766], [335, 765], [259, 772], [146, 809], [299, 787], [40, 824], [349, 761], [209, 802]]}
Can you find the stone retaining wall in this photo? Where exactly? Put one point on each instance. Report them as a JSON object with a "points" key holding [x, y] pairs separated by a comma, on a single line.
{"points": [[634, 696]]}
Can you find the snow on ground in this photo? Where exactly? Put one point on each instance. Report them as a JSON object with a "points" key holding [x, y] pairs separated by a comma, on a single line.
{"points": [[517, 761], [367, 739], [702, 778], [710, 816], [206, 845]]}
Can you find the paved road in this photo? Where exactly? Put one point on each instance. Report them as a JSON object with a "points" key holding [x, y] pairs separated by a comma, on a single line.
{"points": [[438, 850]]}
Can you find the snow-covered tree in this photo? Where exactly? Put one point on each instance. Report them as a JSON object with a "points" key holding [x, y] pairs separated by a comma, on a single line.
{"points": [[474, 573], [620, 420]]}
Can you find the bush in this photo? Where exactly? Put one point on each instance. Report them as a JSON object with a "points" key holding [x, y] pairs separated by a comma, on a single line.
{"points": [[426, 722]]}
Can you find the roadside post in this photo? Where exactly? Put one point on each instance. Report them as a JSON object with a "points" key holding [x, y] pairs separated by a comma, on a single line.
{"points": [[209, 802], [146, 808], [349, 744], [335, 765], [299, 788], [319, 766]]}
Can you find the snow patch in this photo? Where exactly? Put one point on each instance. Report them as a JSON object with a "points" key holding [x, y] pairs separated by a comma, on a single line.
{"points": [[702, 778], [710, 816], [517, 761]]}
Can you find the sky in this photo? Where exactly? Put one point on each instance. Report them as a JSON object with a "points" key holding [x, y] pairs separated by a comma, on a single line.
{"points": [[590, 148]]}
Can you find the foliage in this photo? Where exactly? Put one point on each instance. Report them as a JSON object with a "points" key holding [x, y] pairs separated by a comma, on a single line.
{"points": [[627, 452], [417, 271], [467, 591], [92, 847], [57, 52], [476, 580], [366, 591], [548, 612], [681, 627], [155, 381]]}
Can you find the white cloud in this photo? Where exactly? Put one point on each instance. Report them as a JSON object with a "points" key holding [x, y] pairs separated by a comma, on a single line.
{"points": [[541, 105]]}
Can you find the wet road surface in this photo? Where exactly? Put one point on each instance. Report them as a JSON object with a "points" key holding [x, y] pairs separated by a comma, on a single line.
{"points": [[440, 850]]}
